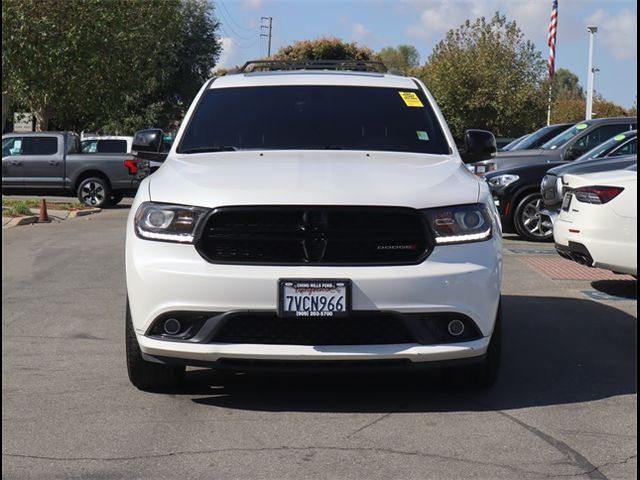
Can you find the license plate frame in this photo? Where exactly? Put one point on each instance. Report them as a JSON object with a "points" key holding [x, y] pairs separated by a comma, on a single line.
{"points": [[343, 287]]}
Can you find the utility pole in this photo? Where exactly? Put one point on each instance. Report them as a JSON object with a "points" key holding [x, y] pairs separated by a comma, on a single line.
{"points": [[270, 19], [590, 74]]}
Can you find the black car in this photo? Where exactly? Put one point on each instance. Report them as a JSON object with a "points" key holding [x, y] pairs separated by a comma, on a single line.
{"points": [[569, 145], [516, 192], [551, 187], [538, 138]]}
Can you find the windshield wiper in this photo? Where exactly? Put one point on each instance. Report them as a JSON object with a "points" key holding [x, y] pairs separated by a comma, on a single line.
{"points": [[226, 148]]}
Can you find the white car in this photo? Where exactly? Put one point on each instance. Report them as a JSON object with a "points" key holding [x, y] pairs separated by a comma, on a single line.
{"points": [[597, 225], [313, 218]]}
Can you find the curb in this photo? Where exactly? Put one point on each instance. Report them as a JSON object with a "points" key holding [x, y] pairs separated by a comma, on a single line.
{"points": [[22, 221], [82, 213]]}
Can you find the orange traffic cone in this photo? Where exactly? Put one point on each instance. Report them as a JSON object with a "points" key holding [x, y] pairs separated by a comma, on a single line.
{"points": [[44, 217]]}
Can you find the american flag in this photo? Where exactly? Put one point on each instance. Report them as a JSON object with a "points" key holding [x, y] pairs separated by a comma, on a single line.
{"points": [[553, 28]]}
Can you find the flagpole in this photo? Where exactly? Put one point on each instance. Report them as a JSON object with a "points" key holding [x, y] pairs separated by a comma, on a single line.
{"points": [[553, 28], [549, 104]]}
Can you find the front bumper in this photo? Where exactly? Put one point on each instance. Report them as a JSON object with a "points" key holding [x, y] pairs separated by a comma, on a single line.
{"points": [[166, 277]]}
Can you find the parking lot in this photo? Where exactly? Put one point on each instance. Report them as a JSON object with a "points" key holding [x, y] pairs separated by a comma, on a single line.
{"points": [[565, 404]]}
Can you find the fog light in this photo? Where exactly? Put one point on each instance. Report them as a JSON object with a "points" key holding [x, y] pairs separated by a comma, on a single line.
{"points": [[172, 326], [455, 327]]}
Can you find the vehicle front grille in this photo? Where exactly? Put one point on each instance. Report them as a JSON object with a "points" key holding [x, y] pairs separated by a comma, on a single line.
{"points": [[375, 329], [301, 235]]}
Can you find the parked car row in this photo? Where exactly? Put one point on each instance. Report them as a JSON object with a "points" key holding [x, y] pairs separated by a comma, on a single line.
{"points": [[515, 177]]}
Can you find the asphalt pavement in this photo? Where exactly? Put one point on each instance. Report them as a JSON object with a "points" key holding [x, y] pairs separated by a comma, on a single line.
{"points": [[565, 404]]}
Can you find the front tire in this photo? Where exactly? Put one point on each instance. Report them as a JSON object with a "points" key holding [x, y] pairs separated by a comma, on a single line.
{"points": [[529, 222], [148, 376], [116, 198], [94, 192], [481, 375]]}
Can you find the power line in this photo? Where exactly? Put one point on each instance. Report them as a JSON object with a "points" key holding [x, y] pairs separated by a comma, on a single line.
{"points": [[242, 37], [236, 42], [252, 29]]}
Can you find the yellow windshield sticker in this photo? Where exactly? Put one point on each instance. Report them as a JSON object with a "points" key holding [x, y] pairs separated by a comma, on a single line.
{"points": [[411, 99], [422, 135], [582, 126], [618, 138]]}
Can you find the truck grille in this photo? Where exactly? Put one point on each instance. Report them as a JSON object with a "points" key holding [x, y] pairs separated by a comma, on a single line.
{"points": [[312, 235]]}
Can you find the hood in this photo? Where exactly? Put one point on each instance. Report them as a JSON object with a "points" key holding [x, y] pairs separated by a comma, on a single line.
{"points": [[524, 157], [519, 153], [313, 178], [595, 165]]}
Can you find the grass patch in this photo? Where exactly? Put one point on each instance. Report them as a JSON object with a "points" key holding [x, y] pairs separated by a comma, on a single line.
{"points": [[10, 202], [35, 203], [17, 210]]}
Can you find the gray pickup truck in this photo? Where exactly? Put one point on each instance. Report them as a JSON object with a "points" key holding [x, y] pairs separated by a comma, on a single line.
{"points": [[50, 163]]}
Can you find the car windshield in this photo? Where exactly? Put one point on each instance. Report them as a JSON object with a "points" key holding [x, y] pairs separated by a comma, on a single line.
{"points": [[564, 137], [314, 117], [533, 139], [605, 148], [513, 145]]}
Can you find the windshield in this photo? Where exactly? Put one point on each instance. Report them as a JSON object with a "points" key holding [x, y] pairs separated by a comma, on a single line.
{"points": [[564, 137], [607, 147], [535, 139], [513, 145], [314, 117]]}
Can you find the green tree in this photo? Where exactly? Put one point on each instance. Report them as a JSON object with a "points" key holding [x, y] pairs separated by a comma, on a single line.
{"points": [[572, 108], [323, 49], [403, 58], [566, 83], [105, 64], [191, 61], [485, 74]]}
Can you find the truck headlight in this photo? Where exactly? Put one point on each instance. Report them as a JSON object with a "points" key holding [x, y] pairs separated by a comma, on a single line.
{"points": [[501, 181], [167, 222], [460, 224]]}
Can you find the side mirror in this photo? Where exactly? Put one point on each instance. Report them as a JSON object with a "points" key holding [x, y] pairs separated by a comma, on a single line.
{"points": [[574, 152], [479, 145], [149, 140]]}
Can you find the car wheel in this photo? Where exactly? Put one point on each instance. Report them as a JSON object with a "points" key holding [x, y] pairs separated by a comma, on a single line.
{"points": [[484, 374], [116, 198], [529, 221], [148, 376], [94, 192]]}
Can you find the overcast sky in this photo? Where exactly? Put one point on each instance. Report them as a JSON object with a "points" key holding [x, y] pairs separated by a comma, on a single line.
{"points": [[422, 23]]}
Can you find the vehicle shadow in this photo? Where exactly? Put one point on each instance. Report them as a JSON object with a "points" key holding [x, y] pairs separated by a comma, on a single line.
{"points": [[555, 351], [618, 288]]}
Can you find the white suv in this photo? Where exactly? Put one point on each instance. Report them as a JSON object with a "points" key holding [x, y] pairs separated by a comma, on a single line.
{"points": [[313, 217]]}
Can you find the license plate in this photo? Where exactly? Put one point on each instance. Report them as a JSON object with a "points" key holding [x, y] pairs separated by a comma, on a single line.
{"points": [[314, 298], [566, 202]]}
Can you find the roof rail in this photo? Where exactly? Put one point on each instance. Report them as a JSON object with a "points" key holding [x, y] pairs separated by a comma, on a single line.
{"points": [[353, 65]]}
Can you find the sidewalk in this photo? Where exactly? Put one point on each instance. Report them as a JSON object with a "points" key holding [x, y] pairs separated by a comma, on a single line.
{"points": [[55, 216]]}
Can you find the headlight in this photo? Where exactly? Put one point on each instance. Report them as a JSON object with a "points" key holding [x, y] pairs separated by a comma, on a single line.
{"points": [[501, 181], [168, 223], [460, 224], [559, 187]]}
